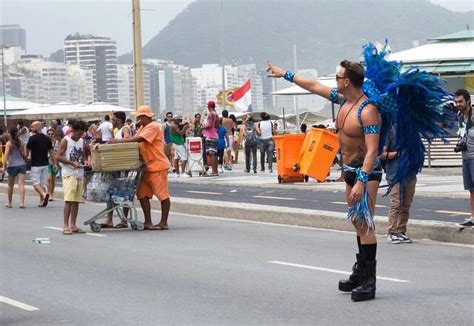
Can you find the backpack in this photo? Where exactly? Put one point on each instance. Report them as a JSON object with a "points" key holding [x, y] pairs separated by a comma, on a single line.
{"points": [[250, 135]]}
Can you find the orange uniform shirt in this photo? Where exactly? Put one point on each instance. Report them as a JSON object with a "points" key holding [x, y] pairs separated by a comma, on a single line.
{"points": [[152, 148]]}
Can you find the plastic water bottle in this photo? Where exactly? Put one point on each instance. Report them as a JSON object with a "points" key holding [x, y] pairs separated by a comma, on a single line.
{"points": [[41, 240]]}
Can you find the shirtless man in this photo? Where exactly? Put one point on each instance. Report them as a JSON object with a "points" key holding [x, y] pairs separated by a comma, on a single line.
{"points": [[358, 123], [228, 123]]}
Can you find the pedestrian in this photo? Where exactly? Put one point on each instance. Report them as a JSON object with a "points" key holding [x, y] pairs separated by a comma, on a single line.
{"points": [[71, 155], [52, 172], [303, 128], [358, 123], [265, 130], [209, 131], [466, 146], [167, 137], [24, 132], [222, 142], [236, 143], [228, 124], [196, 126], [154, 180], [248, 134], [15, 164], [177, 134], [105, 130], [401, 196], [39, 146]]}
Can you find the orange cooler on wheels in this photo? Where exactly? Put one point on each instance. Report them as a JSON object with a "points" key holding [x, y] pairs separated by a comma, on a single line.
{"points": [[318, 154], [288, 151]]}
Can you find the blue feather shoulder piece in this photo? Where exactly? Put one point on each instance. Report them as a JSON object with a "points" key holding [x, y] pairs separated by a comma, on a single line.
{"points": [[413, 101]]}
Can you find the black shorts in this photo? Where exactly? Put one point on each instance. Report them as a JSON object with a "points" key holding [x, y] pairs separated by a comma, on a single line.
{"points": [[351, 177]]}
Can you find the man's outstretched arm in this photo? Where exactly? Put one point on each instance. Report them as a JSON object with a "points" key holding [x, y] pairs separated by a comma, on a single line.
{"points": [[309, 84]]}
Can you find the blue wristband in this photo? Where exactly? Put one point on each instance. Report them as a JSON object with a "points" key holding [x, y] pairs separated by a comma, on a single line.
{"points": [[362, 176], [289, 75]]}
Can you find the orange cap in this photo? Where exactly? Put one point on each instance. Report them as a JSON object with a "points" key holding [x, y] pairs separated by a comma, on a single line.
{"points": [[144, 110]]}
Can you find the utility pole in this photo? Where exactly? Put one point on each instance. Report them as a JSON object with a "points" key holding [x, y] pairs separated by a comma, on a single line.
{"points": [[295, 98], [4, 89], [222, 56], [137, 53]]}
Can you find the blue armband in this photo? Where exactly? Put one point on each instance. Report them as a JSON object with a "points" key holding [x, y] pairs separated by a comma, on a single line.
{"points": [[334, 96], [362, 176], [372, 129], [289, 75]]}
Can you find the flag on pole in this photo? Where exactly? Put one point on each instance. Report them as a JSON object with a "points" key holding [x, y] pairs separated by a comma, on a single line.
{"points": [[242, 97]]}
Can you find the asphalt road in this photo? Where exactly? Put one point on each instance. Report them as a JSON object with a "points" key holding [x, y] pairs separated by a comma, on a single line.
{"points": [[208, 271], [423, 208]]}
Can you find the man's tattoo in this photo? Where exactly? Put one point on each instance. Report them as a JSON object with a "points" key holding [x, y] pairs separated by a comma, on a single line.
{"points": [[358, 160]]}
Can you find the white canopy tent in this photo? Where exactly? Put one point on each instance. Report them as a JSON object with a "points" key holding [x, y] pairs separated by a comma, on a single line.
{"points": [[17, 104], [68, 111]]}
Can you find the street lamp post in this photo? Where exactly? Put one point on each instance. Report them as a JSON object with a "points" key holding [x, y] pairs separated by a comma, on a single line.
{"points": [[4, 88]]}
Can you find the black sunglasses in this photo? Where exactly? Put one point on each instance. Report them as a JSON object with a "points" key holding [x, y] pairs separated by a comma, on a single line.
{"points": [[341, 77]]}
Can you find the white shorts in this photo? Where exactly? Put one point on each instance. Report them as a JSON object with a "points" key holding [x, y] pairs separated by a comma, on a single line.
{"points": [[39, 175], [180, 152]]}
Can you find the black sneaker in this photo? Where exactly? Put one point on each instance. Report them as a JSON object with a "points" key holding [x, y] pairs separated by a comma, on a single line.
{"points": [[467, 223], [254, 171]]}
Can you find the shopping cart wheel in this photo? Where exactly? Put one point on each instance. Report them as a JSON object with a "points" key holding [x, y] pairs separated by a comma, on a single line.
{"points": [[306, 178], [279, 179], [95, 227], [139, 226], [133, 225]]}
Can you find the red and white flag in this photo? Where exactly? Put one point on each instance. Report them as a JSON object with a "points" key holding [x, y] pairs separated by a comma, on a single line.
{"points": [[242, 97]]}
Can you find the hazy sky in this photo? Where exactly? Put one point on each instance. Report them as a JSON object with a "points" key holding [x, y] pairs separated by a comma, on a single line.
{"points": [[48, 22]]}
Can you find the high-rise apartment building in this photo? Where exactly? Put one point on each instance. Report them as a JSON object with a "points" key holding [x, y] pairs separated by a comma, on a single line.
{"points": [[98, 54], [13, 35]]}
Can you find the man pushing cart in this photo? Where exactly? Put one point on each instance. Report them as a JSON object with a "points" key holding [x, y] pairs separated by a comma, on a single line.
{"points": [[154, 179]]}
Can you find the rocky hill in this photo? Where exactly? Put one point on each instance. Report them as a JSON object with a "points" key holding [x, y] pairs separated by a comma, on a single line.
{"points": [[324, 31]]}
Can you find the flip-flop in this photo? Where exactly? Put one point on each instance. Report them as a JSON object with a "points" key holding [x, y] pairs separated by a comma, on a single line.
{"points": [[160, 227], [8, 206], [121, 226], [22, 207], [78, 231], [67, 232], [106, 226], [45, 200], [151, 228]]}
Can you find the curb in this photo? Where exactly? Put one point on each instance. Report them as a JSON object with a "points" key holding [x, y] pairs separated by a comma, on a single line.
{"points": [[432, 230]]}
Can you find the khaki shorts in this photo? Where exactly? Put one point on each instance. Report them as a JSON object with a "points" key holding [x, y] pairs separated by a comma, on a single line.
{"points": [[73, 189], [154, 183]]}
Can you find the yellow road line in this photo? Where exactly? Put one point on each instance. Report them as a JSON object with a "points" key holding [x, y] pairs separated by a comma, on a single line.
{"points": [[271, 197]]}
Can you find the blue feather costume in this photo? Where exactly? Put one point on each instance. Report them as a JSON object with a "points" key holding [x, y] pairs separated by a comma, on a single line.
{"points": [[414, 102]]}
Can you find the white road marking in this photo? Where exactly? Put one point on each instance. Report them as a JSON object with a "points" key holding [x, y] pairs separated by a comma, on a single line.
{"points": [[17, 304], [271, 197], [454, 213], [87, 233], [344, 203], [322, 269], [204, 192]]}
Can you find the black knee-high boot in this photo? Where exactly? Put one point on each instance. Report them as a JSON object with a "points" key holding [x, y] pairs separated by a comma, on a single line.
{"points": [[355, 279], [366, 290]]}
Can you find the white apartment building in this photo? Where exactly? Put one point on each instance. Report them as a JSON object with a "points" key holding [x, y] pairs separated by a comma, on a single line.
{"points": [[126, 86], [81, 84], [176, 90], [98, 54], [48, 82]]}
